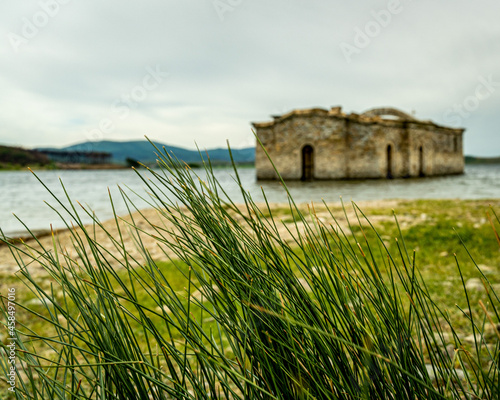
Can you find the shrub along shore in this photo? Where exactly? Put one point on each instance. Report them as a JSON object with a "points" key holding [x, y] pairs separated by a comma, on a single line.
{"points": [[209, 299]]}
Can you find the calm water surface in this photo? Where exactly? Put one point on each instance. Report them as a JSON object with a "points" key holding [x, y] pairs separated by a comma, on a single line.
{"points": [[21, 194]]}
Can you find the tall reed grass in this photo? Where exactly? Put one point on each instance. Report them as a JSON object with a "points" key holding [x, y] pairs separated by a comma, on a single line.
{"points": [[331, 314]]}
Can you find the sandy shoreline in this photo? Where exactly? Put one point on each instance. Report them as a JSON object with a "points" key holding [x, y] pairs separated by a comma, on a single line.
{"points": [[8, 264], [377, 211]]}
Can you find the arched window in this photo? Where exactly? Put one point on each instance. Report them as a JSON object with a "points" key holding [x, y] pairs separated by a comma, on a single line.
{"points": [[389, 162], [421, 161], [307, 163]]}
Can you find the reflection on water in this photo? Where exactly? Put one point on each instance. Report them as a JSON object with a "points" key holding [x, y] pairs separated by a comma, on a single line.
{"points": [[22, 194]]}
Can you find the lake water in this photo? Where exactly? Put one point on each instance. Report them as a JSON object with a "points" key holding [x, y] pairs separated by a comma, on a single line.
{"points": [[23, 195]]}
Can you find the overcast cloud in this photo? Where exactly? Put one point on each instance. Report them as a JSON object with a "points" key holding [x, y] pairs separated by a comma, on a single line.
{"points": [[186, 71]]}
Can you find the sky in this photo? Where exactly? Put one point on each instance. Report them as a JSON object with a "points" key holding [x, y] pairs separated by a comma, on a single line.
{"points": [[198, 72]]}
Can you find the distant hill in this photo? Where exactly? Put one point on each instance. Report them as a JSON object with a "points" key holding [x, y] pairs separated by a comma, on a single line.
{"points": [[144, 152], [11, 157], [482, 160]]}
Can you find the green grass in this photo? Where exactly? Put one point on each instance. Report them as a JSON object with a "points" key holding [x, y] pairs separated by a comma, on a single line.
{"points": [[347, 310], [19, 167]]}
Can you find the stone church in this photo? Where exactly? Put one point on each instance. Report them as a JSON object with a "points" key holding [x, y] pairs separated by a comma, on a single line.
{"points": [[380, 143]]}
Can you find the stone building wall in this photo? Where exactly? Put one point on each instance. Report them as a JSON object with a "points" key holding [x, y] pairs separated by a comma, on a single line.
{"points": [[353, 146]]}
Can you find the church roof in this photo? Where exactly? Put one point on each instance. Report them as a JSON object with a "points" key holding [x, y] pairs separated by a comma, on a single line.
{"points": [[375, 115]]}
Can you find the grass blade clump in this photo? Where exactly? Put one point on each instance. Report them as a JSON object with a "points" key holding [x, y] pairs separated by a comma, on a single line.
{"points": [[246, 308]]}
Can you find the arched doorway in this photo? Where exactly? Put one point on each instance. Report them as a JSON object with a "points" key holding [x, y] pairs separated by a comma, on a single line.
{"points": [[307, 163], [421, 161], [389, 162]]}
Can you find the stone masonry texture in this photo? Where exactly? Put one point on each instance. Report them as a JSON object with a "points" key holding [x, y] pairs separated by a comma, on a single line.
{"points": [[380, 143]]}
